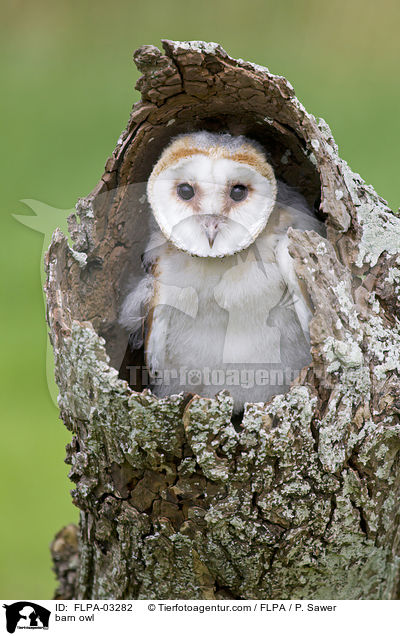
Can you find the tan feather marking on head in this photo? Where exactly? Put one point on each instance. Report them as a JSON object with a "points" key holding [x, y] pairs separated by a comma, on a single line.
{"points": [[185, 147], [255, 160], [182, 148]]}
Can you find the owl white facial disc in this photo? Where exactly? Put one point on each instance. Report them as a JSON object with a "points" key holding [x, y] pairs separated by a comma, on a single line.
{"points": [[210, 194]]}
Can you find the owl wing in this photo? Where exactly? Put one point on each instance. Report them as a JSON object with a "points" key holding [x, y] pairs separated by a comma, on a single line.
{"points": [[301, 301], [132, 318], [135, 309]]}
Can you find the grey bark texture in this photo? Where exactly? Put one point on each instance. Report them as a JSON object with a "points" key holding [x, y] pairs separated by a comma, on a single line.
{"points": [[301, 499]]}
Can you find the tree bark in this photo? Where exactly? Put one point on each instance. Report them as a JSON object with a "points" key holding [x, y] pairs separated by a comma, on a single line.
{"points": [[301, 499]]}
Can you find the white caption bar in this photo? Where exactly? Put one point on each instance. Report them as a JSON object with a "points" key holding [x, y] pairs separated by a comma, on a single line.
{"points": [[204, 618]]}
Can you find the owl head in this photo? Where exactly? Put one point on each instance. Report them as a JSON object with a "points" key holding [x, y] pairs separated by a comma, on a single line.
{"points": [[212, 194]]}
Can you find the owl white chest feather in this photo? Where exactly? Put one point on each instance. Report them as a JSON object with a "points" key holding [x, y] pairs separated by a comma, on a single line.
{"points": [[212, 313]]}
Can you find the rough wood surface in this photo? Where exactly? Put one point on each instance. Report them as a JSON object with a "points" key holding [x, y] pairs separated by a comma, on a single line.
{"points": [[301, 499]]}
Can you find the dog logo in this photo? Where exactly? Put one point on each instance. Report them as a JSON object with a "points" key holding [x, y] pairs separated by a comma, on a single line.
{"points": [[26, 615]]}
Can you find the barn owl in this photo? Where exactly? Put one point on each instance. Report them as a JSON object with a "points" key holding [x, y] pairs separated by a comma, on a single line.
{"points": [[220, 306]]}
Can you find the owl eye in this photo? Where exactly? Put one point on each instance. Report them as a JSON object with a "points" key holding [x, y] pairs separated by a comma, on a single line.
{"points": [[185, 191], [238, 192]]}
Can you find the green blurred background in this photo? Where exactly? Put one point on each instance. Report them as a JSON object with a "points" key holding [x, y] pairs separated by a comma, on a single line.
{"points": [[66, 93]]}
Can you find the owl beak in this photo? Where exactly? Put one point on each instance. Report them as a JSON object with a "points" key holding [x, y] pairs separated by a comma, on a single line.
{"points": [[211, 227], [211, 233]]}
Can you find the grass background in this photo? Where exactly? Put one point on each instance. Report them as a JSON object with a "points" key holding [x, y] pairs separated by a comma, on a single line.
{"points": [[66, 92]]}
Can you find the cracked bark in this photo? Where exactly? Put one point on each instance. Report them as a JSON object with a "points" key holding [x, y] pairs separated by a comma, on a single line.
{"points": [[301, 499]]}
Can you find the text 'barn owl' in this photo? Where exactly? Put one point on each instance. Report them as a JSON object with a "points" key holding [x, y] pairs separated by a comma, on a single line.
{"points": [[220, 306]]}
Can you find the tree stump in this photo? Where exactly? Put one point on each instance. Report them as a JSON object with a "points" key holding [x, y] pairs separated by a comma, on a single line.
{"points": [[301, 499]]}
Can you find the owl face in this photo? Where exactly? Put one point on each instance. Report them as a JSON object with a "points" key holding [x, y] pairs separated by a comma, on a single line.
{"points": [[211, 194]]}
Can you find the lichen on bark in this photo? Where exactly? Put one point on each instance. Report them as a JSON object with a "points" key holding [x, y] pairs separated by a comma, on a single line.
{"points": [[300, 499]]}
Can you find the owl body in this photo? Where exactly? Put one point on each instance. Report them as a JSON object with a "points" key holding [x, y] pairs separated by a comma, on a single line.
{"points": [[220, 306]]}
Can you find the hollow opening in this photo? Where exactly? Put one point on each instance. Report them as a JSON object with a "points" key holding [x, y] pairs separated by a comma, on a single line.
{"points": [[286, 153]]}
